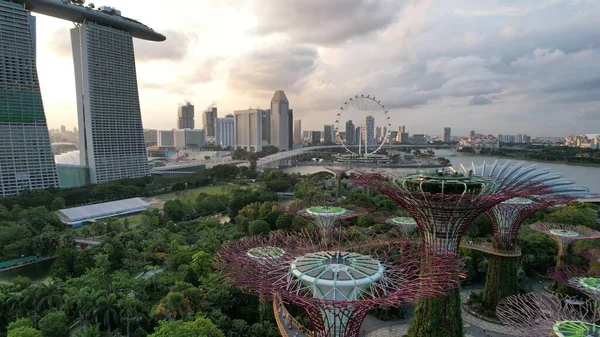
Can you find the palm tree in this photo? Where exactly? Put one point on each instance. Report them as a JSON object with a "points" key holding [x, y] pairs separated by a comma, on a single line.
{"points": [[132, 310], [49, 296], [107, 310], [173, 305], [89, 331], [15, 304], [82, 302]]}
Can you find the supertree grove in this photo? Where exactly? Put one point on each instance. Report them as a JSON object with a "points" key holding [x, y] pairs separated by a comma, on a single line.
{"points": [[565, 235], [444, 205], [507, 217], [338, 173], [336, 283], [543, 314]]}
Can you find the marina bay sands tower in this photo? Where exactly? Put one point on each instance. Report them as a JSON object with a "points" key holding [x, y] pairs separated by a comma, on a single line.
{"points": [[110, 126]]}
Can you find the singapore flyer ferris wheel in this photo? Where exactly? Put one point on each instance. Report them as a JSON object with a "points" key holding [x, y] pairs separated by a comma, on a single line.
{"points": [[362, 125]]}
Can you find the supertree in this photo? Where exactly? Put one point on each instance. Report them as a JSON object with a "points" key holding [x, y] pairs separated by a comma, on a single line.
{"points": [[580, 278], [507, 218], [326, 215], [406, 225], [336, 286], [443, 205], [544, 314], [564, 235], [592, 255]]}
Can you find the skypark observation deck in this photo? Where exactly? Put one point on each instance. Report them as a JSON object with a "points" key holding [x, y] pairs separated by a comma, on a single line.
{"points": [[79, 13]]}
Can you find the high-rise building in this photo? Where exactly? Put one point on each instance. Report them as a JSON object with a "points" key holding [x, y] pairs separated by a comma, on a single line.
{"points": [[266, 126], [185, 116], [291, 129], [189, 138], [402, 136], [328, 134], [26, 161], [369, 135], [315, 137], [306, 134], [151, 137], [378, 133], [166, 138], [384, 134], [280, 123], [225, 135], [393, 137], [519, 137], [209, 120], [248, 129], [446, 136], [472, 133], [63, 129], [111, 135], [350, 132], [298, 131], [358, 135]]}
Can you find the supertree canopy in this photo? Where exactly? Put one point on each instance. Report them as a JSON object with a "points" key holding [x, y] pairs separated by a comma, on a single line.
{"points": [[338, 285], [444, 205], [580, 278], [406, 225], [565, 235], [327, 216], [507, 218], [544, 314]]}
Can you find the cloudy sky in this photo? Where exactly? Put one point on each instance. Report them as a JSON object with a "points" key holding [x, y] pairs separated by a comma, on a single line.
{"points": [[496, 66]]}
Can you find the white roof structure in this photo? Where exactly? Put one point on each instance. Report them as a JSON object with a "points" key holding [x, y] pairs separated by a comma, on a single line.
{"points": [[76, 215]]}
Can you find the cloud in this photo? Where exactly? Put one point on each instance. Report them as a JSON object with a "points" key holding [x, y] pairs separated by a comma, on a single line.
{"points": [[324, 22], [278, 66], [175, 48], [479, 100], [60, 43]]}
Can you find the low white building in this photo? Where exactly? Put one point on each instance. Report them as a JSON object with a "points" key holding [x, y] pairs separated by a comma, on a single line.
{"points": [[189, 138], [225, 132]]}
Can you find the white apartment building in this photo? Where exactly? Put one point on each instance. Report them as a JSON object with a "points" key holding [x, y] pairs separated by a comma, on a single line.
{"points": [[248, 129], [189, 138], [225, 132]]}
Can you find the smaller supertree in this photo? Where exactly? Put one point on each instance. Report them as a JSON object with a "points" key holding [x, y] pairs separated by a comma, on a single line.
{"points": [[592, 255], [326, 216], [580, 278], [406, 225], [544, 314], [565, 235]]}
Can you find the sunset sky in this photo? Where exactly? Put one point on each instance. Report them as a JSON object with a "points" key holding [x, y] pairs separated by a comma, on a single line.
{"points": [[505, 66]]}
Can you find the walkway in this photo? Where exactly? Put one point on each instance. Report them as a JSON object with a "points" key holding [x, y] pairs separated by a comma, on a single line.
{"points": [[486, 247], [287, 327]]}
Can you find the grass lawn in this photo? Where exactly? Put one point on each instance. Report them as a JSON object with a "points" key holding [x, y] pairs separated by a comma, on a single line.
{"points": [[215, 189]]}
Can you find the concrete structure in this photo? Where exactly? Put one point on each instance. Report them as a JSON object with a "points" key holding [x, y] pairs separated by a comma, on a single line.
{"points": [[166, 138], [350, 132], [280, 121], [185, 116], [291, 130], [78, 216], [225, 132], [171, 171], [111, 135], [368, 136], [209, 121], [26, 161], [298, 131], [248, 129], [71, 176], [189, 138], [328, 134], [151, 137], [446, 135]]}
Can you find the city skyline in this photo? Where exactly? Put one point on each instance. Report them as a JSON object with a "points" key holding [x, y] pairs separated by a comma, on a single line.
{"points": [[486, 76]]}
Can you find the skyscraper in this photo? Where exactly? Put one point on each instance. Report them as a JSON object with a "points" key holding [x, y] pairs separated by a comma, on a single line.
{"points": [[111, 135], [209, 120], [26, 160], [291, 129], [280, 123], [225, 132], [357, 135], [248, 129], [185, 116], [328, 133], [378, 133], [402, 136], [297, 131], [350, 132], [446, 135], [370, 130], [266, 126]]}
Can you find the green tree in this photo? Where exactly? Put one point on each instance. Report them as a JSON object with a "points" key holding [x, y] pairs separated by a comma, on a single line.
{"points": [[284, 221], [55, 324], [259, 227], [57, 203], [20, 323], [174, 209], [365, 220], [576, 214], [89, 331], [201, 327], [24, 332], [132, 310]]}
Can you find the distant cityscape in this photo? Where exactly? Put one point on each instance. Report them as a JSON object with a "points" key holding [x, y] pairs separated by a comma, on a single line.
{"points": [[110, 142]]}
